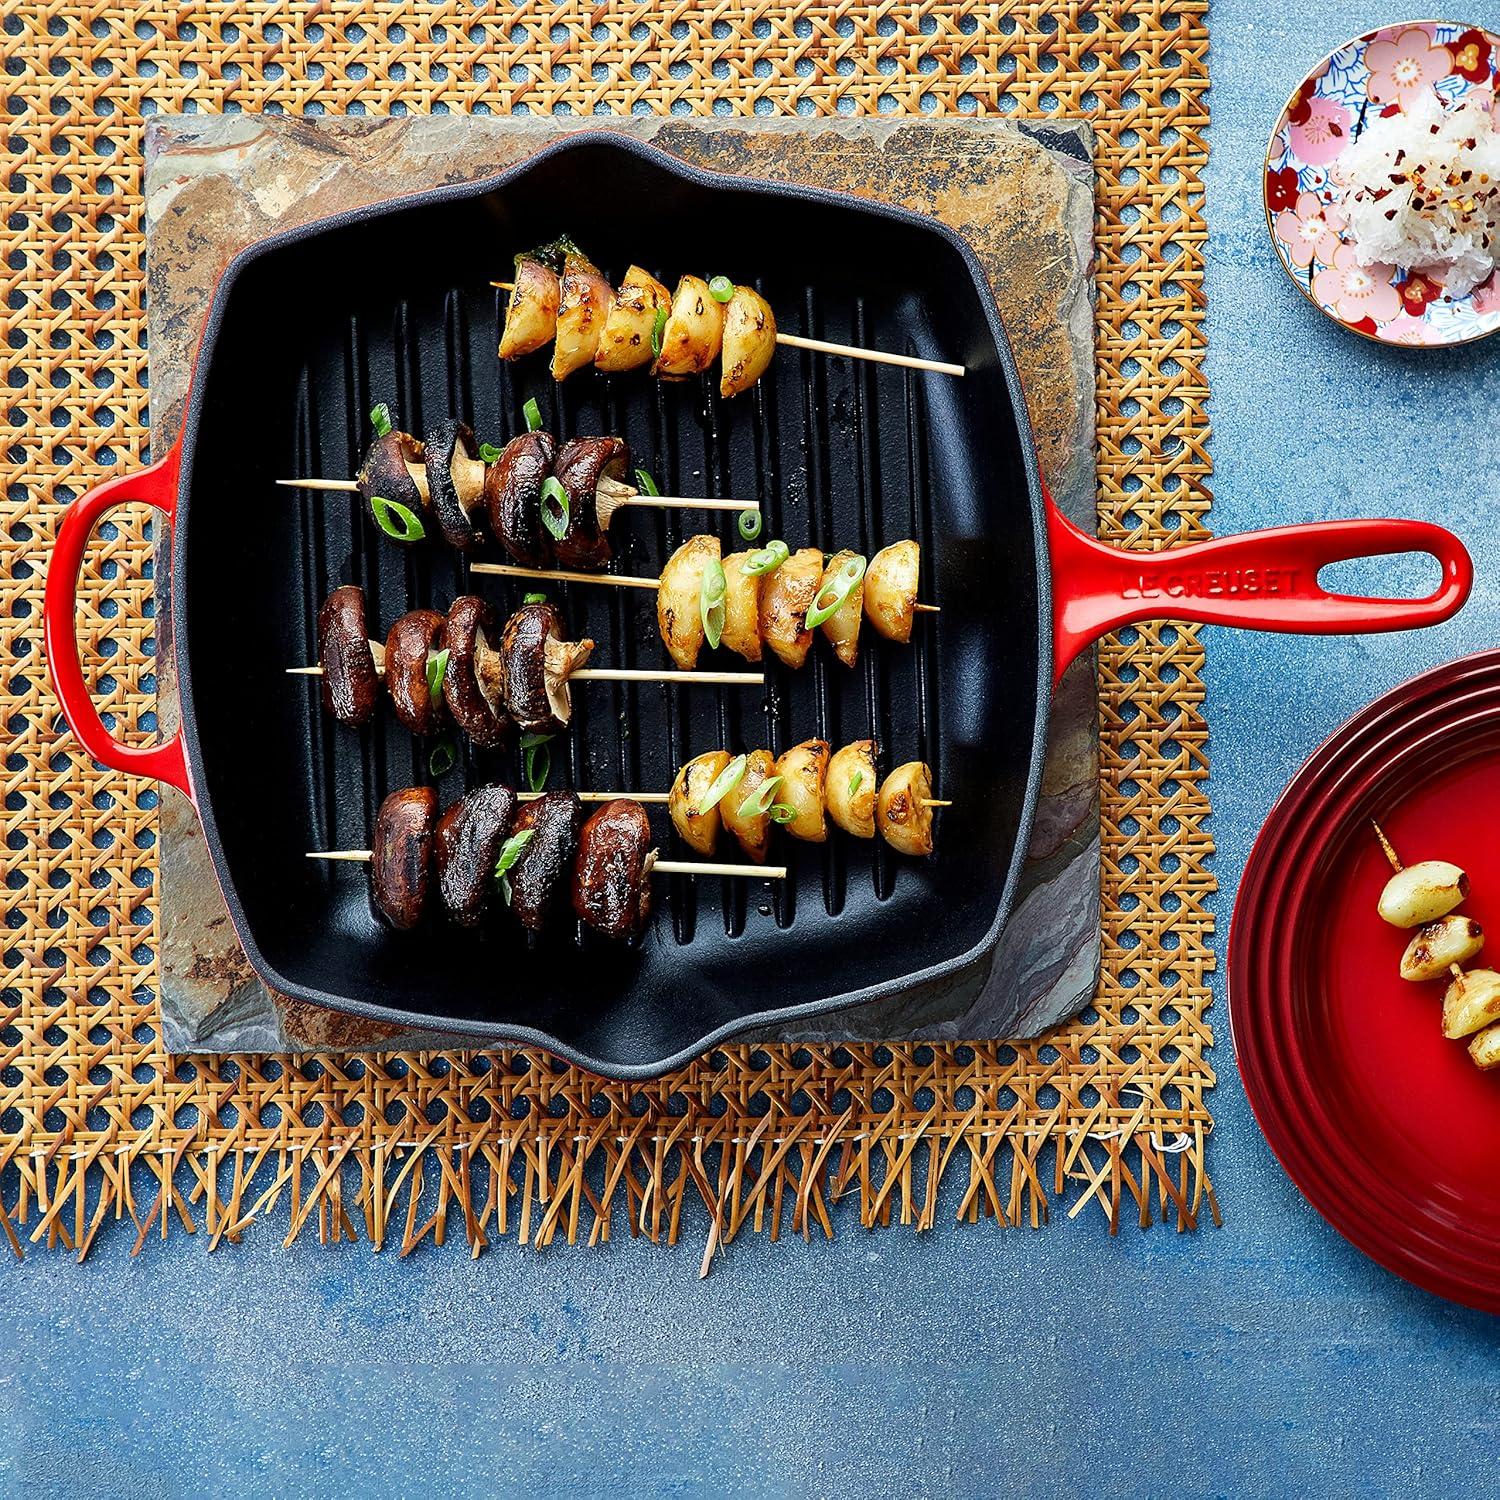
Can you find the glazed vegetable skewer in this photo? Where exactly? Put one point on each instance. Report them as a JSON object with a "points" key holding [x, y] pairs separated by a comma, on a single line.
{"points": [[654, 502], [608, 674], [658, 867]]}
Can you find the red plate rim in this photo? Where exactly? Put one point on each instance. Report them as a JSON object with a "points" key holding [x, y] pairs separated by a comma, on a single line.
{"points": [[1326, 802]]}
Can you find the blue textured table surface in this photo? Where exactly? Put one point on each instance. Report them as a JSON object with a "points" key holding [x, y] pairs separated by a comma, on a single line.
{"points": [[1266, 1358]]}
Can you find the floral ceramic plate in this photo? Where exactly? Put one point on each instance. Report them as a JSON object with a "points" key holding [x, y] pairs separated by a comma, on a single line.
{"points": [[1378, 74]]}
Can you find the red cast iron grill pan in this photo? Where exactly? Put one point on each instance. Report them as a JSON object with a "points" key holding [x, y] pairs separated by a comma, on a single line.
{"points": [[310, 329]]}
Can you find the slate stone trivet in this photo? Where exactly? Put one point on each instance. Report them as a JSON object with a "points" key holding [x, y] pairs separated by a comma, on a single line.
{"points": [[1022, 195]]}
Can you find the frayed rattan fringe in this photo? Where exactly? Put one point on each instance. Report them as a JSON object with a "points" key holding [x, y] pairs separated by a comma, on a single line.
{"points": [[542, 1189]]}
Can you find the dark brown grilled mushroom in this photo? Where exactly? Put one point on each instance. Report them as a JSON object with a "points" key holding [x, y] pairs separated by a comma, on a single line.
{"points": [[583, 465], [540, 878], [455, 482], [467, 845], [513, 497], [401, 863], [472, 691], [612, 874], [351, 684], [413, 639], [395, 470], [536, 665]]}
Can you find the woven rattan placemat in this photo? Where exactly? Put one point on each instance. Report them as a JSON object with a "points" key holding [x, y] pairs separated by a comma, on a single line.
{"points": [[98, 1126]]}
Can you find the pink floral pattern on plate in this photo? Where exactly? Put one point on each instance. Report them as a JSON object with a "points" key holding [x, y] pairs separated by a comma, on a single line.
{"points": [[1375, 74]]}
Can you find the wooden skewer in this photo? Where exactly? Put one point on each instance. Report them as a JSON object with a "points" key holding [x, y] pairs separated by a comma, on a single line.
{"points": [[852, 351], [614, 674], [652, 502], [658, 867], [1385, 844]]}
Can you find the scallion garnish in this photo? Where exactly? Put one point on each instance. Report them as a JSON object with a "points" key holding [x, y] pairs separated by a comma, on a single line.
{"points": [[380, 419], [750, 524], [721, 288], [443, 758], [510, 851], [398, 522], [722, 784], [533, 414], [647, 483], [489, 453], [533, 598], [658, 327], [761, 799], [437, 669], [830, 598], [536, 757], [768, 559], [711, 602], [781, 813], [856, 781], [554, 507]]}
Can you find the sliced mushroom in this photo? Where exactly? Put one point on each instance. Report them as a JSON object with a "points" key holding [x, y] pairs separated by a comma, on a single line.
{"points": [[583, 465], [842, 626], [749, 340], [693, 334], [351, 683], [1472, 1001], [902, 811], [891, 589], [401, 855], [738, 808], [543, 873], [412, 641], [804, 788], [785, 598], [625, 341], [853, 787], [612, 874], [395, 470], [536, 664], [1436, 945], [699, 830], [679, 599], [583, 304], [467, 632], [467, 846], [531, 317], [741, 607], [513, 497], [455, 481]]}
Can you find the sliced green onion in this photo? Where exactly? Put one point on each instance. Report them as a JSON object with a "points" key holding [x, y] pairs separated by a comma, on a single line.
{"points": [[768, 559], [380, 419], [443, 758], [393, 518], [711, 602], [533, 598], [533, 414], [830, 598], [510, 851], [761, 799], [489, 453], [536, 759], [750, 524], [721, 288], [781, 813], [722, 784], [554, 507], [856, 781], [437, 669], [647, 483], [658, 327]]}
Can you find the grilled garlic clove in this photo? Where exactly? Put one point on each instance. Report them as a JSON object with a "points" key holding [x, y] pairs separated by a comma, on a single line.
{"points": [[804, 788], [749, 340], [693, 333], [1485, 1048], [679, 595], [741, 631], [1436, 945], [891, 589], [785, 598], [740, 807], [625, 342], [531, 317], [902, 809], [1422, 892], [1472, 1001], [842, 626], [584, 299], [852, 788], [699, 830]]}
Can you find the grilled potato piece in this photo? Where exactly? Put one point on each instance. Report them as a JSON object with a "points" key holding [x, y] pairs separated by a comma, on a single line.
{"points": [[679, 595], [699, 830], [741, 607], [583, 305], [804, 788], [842, 626], [853, 787], [695, 330], [785, 598], [1435, 945], [752, 829], [1422, 892], [749, 340], [901, 810], [531, 316], [1485, 1048], [625, 340], [1471, 1002], [891, 589]]}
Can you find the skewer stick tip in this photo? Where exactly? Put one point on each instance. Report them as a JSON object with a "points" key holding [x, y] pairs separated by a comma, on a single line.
{"points": [[1385, 844], [928, 609], [936, 801]]}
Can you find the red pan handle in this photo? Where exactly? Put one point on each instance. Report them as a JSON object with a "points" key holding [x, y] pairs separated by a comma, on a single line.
{"points": [[156, 486], [1264, 580]]}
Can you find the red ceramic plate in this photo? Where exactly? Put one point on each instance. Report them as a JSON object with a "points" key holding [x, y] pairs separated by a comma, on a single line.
{"points": [[1389, 1130]]}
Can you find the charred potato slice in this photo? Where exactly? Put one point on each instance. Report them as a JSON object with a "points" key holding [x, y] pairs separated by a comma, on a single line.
{"points": [[513, 497], [695, 330], [699, 830], [679, 596], [583, 304], [401, 855], [891, 589], [741, 607], [749, 340], [853, 788], [901, 809], [842, 626], [1436, 945], [612, 874], [467, 846], [752, 829], [351, 684], [625, 339], [1471, 1002], [412, 641], [785, 598], [804, 788], [531, 317]]}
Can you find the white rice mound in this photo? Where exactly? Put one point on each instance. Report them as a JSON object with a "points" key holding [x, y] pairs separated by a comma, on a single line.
{"points": [[1422, 188]]}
